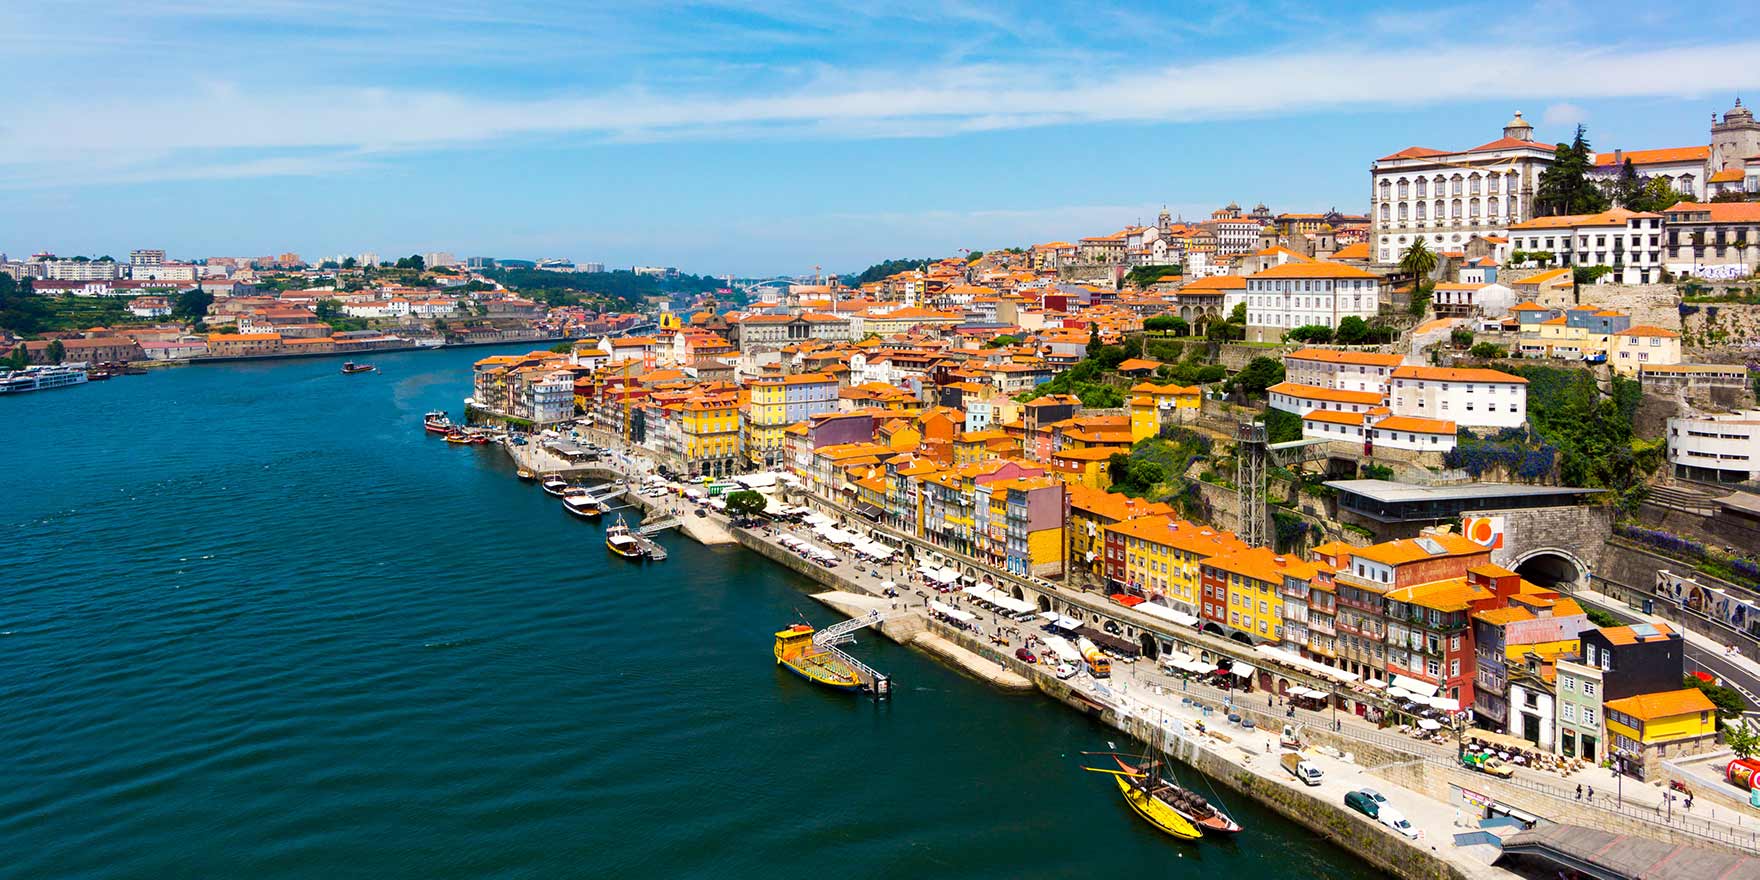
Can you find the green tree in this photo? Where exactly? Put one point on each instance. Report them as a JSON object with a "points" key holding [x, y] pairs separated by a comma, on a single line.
{"points": [[745, 504], [1259, 374], [1238, 315], [1317, 333], [1094, 343], [1180, 327], [1565, 188], [329, 308], [1002, 341], [57, 352], [21, 311], [1740, 740], [349, 263], [1460, 338], [1159, 324], [1488, 350], [1728, 701], [1352, 330], [974, 256], [1657, 196], [1418, 261], [192, 305]]}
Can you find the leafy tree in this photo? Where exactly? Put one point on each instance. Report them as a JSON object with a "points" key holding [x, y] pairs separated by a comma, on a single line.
{"points": [[1180, 327], [57, 352], [1282, 426], [192, 305], [413, 261], [349, 263], [1460, 338], [16, 359], [330, 265], [1260, 373], [745, 504], [1565, 188], [881, 270], [1418, 261], [1352, 330], [1002, 341], [1094, 343], [1162, 324], [974, 256], [1742, 741], [1238, 315], [1488, 350], [21, 311], [329, 308], [1318, 333], [1601, 618], [1658, 196]]}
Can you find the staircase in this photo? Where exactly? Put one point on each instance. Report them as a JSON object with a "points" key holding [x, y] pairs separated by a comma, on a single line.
{"points": [[1682, 499]]}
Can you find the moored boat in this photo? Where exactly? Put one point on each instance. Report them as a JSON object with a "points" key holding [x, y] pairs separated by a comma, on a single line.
{"points": [[554, 485], [456, 436], [581, 502], [1194, 807], [526, 474], [352, 367], [1157, 812], [796, 652], [437, 422], [619, 541]]}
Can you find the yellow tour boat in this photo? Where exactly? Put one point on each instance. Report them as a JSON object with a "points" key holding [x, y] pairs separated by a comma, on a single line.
{"points": [[796, 651]]}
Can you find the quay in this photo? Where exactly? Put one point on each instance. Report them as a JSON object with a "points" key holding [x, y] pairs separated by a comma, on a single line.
{"points": [[1228, 735]]}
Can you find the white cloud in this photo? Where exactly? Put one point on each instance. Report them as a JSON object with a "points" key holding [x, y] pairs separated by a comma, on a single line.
{"points": [[322, 123], [1564, 114]]}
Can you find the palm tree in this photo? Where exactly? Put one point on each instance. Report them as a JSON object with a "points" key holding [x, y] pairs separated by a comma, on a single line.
{"points": [[1420, 261]]}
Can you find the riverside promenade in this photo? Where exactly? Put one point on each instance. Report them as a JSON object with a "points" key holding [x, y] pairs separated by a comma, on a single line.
{"points": [[1422, 778]]}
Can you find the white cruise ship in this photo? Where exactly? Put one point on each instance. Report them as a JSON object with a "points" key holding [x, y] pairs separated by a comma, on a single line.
{"points": [[41, 378]]}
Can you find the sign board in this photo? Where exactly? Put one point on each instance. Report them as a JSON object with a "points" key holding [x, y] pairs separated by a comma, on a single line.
{"points": [[1486, 531]]}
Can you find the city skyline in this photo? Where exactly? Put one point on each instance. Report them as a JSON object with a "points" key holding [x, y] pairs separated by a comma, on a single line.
{"points": [[722, 140]]}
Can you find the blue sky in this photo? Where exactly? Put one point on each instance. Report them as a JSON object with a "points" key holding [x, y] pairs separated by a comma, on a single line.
{"points": [[772, 137]]}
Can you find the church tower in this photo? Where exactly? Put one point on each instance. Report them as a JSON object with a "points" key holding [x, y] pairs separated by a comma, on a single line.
{"points": [[1734, 139]]}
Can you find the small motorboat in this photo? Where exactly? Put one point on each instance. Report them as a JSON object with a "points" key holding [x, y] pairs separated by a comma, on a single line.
{"points": [[458, 437], [437, 422], [526, 474], [554, 485], [352, 367]]}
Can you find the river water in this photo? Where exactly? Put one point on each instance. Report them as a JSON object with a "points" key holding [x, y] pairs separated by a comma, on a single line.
{"points": [[255, 623]]}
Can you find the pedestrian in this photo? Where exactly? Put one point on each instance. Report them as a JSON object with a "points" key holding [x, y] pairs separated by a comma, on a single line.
{"points": [[1689, 800], [1579, 791], [1591, 792]]}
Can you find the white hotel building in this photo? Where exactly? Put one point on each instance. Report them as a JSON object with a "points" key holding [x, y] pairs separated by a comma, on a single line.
{"points": [[1716, 448], [1467, 397], [1628, 242], [1298, 294], [1450, 196]]}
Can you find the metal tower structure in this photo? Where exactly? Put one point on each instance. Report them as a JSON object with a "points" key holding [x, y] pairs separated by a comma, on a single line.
{"points": [[1251, 450]]}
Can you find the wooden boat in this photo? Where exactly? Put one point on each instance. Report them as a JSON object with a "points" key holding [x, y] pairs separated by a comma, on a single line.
{"points": [[526, 474], [795, 651], [1189, 804], [554, 485], [437, 422], [352, 367], [458, 437], [1155, 811], [619, 541]]}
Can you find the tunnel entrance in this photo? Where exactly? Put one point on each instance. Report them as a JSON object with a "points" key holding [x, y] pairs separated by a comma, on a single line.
{"points": [[1549, 570]]}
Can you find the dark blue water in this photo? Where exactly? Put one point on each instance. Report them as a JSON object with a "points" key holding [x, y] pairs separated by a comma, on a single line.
{"points": [[257, 624]]}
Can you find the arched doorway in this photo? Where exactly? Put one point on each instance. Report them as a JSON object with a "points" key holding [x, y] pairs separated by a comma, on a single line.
{"points": [[1150, 649], [1018, 594], [1044, 603], [1552, 569], [1241, 637], [1213, 629]]}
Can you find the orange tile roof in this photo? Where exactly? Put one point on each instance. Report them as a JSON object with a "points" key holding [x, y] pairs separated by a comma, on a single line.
{"points": [[1648, 330], [1727, 175], [1452, 594], [1217, 282], [1657, 157], [1403, 550], [1505, 615], [1132, 364], [1179, 534], [1315, 392], [1111, 505], [1667, 704], [1721, 212], [1456, 374], [1416, 425], [1357, 251], [1548, 276], [1609, 217], [1624, 635], [1263, 564], [1414, 153], [1333, 416], [1363, 358]]}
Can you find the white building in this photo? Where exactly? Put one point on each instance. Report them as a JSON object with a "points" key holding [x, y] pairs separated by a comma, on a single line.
{"points": [[1628, 242], [1714, 240], [1466, 397], [149, 307], [396, 307], [1298, 294], [1300, 399], [1380, 429], [1716, 448], [440, 258], [1464, 299], [552, 397], [165, 272], [146, 257], [1341, 370], [77, 270], [1449, 196]]}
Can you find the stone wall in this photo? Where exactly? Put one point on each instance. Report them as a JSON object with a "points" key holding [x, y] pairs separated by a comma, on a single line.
{"points": [[1727, 328], [1579, 533], [1236, 357]]}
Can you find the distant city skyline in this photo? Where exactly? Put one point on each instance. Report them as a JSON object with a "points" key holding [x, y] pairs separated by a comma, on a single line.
{"points": [[721, 139]]}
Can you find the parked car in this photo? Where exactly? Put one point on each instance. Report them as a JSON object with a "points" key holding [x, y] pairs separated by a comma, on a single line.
{"points": [[1025, 656], [1362, 803], [1373, 795], [1066, 671], [1394, 819], [699, 512]]}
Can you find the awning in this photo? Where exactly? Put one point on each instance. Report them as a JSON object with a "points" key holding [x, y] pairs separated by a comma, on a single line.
{"points": [[1428, 724], [944, 575], [868, 510], [1050, 616], [1062, 648], [1412, 685], [1068, 623], [1243, 670], [1163, 612], [1446, 704], [952, 612], [887, 585], [1375, 684], [1398, 693]]}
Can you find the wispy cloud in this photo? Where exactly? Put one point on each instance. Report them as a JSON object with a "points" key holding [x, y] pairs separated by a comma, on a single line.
{"points": [[351, 124]]}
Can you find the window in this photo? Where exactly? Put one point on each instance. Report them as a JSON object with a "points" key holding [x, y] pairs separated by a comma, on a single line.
{"points": [[1568, 711], [1588, 688]]}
